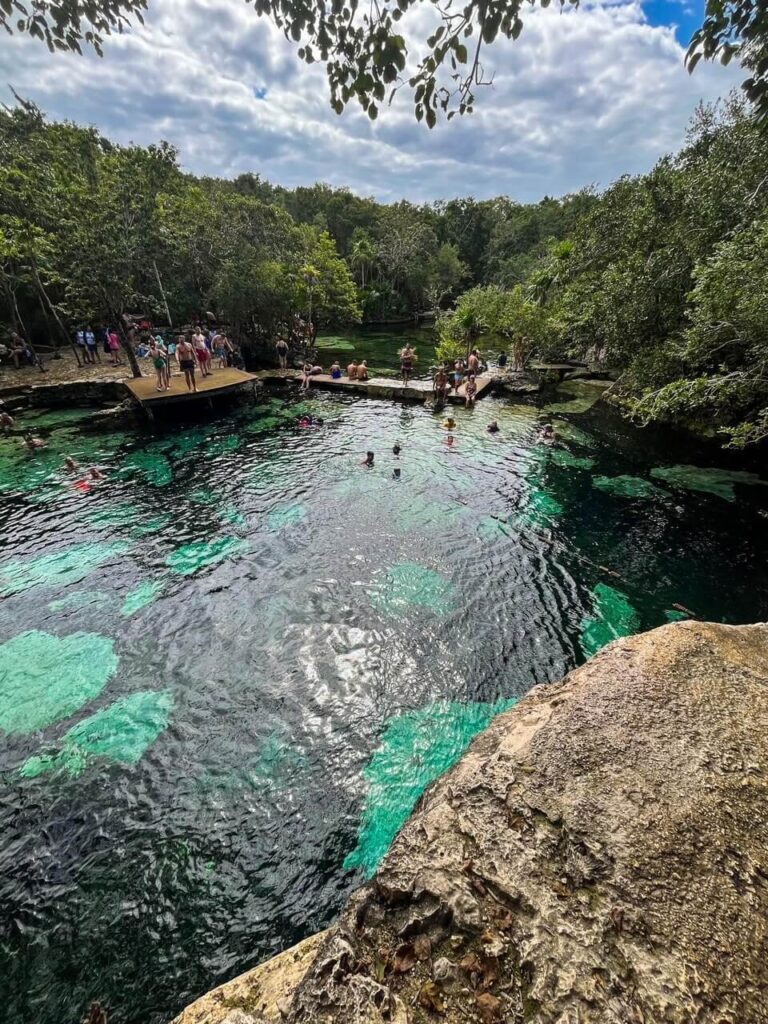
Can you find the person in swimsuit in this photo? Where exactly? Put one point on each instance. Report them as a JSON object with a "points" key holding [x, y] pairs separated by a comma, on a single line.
{"points": [[362, 370], [185, 353], [113, 340], [336, 373], [440, 385], [352, 370], [449, 423], [7, 422], [282, 352], [458, 373], [33, 443], [70, 464], [368, 460], [493, 427], [473, 363], [471, 390], [407, 357], [160, 362], [202, 354]]}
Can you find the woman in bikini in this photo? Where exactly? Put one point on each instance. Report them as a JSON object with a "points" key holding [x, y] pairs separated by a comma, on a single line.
{"points": [[471, 390], [160, 362]]}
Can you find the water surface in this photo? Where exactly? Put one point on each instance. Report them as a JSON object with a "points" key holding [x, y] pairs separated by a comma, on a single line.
{"points": [[262, 652]]}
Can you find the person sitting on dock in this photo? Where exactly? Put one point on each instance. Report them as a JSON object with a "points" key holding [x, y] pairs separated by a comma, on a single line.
{"points": [[335, 371], [471, 390], [307, 372], [407, 359], [282, 350], [352, 370], [185, 353], [362, 370]]}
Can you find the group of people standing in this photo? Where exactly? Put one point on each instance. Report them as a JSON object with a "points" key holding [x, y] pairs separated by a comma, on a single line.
{"points": [[88, 342], [194, 350]]}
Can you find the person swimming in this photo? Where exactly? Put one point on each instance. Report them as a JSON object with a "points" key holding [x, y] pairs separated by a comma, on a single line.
{"points": [[33, 443], [396, 473], [493, 427], [397, 449], [449, 423], [70, 464], [547, 433], [368, 460]]}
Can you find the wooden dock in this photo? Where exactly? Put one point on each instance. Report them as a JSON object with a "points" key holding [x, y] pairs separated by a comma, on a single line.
{"points": [[220, 382], [378, 387]]}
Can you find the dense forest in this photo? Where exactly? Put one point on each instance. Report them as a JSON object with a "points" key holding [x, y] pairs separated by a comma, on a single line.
{"points": [[662, 277]]}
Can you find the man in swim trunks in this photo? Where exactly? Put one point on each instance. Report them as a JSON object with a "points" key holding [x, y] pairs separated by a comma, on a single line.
{"points": [[352, 370], [362, 370], [185, 353], [202, 354], [282, 352], [407, 357], [473, 363]]}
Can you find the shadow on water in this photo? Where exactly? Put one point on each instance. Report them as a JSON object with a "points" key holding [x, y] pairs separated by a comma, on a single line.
{"points": [[264, 652]]}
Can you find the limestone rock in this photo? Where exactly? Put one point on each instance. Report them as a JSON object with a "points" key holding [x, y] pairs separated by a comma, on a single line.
{"points": [[601, 851]]}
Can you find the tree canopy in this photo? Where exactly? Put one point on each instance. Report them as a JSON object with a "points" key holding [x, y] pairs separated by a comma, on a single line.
{"points": [[364, 49]]}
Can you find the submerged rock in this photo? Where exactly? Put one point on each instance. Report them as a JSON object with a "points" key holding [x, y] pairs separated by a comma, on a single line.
{"points": [[598, 855]]}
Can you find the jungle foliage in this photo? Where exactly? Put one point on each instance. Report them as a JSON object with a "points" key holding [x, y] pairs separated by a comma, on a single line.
{"points": [[664, 278]]}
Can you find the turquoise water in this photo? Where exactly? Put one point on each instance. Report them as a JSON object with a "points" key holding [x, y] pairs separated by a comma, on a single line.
{"points": [[228, 671]]}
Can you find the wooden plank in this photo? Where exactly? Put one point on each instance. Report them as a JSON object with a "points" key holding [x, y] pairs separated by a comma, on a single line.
{"points": [[144, 389], [377, 387]]}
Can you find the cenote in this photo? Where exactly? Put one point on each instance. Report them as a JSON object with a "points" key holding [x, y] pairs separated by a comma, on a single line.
{"points": [[228, 672]]}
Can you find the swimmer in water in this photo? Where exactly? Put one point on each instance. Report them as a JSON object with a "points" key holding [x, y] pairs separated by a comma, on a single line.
{"points": [[34, 443], [396, 473], [368, 460], [493, 427], [449, 423], [396, 450], [95, 474], [70, 464], [547, 434]]}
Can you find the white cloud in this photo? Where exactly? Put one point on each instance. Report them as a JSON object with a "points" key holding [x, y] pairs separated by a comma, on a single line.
{"points": [[581, 97]]}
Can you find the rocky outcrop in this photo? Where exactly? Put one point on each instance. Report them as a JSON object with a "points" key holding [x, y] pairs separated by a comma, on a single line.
{"points": [[600, 854]]}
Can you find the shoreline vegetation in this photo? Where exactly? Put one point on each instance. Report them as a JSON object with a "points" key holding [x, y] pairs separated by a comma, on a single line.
{"points": [[660, 279]]}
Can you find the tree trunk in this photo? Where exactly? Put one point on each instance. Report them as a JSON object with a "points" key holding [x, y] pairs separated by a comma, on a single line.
{"points": [[25, 333], [162, 292], [46, 304], [128, 348]]}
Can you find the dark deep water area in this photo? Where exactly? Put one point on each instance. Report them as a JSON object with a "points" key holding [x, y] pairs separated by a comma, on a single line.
{"points": [[227, 671]]}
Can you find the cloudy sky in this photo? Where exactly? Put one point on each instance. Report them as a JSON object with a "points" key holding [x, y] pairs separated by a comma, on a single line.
{"points": [[580, 98]]}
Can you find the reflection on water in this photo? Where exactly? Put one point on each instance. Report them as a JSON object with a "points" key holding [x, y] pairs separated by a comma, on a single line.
{"points": [[227, 672]]}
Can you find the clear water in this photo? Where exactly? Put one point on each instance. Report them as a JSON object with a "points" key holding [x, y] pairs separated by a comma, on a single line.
{"points": [[227, 672]]}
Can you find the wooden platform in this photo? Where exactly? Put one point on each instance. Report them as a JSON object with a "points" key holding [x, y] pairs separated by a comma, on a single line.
{"points": [[378, 387], [220, 382]]}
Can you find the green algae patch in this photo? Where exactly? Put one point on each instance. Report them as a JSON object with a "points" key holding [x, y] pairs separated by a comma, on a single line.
{"points": [[577, 399], [491, 529], [615, 617], [121, 733], [673, 615], [152, 465], [416, 748], [285, 516], [191, 558], [81, 599], [541, 510], [262, 425], [142, 596], [156, 524], [204, 496], [627, 487], [45, 678], [61, 568], [223, 445], [230, 514], [412, 585], [567, 460], [720, 482], [568, 430]]}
